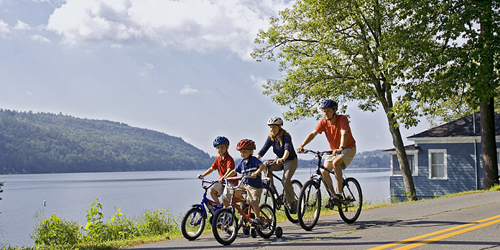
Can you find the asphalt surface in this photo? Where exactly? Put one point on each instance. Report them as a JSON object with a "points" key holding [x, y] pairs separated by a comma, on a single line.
{"points": [[462, 222]]}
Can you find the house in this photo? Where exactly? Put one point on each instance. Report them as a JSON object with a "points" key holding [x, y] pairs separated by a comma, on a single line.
{"points": [[445, 159]]}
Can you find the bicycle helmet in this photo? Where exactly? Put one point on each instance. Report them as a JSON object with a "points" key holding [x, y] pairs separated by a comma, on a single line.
{"points": [[329, 104], [245, 144], [275, 121], [221, 140]]}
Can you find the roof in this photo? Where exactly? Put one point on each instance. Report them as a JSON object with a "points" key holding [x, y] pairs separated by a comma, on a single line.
{"points": [[407, 148], [459, 128]]}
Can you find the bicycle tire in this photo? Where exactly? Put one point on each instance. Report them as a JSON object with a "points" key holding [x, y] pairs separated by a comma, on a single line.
{"points": [[193, 223], [268, 197], [268, 227], [225, 226], [294, 218], [350, 208], [309, 206]]}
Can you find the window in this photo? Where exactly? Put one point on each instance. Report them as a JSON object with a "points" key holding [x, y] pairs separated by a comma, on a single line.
{"points": [[437, 164], [396, 170], [412, 156]]}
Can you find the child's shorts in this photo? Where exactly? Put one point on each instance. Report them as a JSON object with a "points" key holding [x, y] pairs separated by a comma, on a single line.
{"points": [[222, 191], [253, 194]]}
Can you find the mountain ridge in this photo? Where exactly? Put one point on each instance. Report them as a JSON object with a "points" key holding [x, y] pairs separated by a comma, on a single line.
{"points": [[49, 143]]}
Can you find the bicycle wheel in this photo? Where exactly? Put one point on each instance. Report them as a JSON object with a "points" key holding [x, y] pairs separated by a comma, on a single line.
{"points": [[309, 205], [193, 223], [225, 226], [350, 208], [293, 218], [268, 218], [267, 197]]}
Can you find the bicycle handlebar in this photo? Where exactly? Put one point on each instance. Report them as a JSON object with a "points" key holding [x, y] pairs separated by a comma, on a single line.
{"points": [[236, 178], [318, 153], [211, 183]]}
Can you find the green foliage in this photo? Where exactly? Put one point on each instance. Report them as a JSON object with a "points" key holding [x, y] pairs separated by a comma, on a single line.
{"points": [[49, 143], [57, 233], [345, 50], [340, 49], [156, 222], [458, 66]]}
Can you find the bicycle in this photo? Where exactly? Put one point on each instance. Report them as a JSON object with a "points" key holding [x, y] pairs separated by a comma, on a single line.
{"points": [[225, 224], [193, 222], [309, 206], [270, 194]]}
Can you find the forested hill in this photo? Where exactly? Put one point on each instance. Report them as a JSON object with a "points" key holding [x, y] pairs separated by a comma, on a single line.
{"points": [[49, 143]]}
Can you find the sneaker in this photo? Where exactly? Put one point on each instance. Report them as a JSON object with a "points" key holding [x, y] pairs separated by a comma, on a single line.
{"points": [[329, 204], [256, 222], [336, 198], [293, 207]]}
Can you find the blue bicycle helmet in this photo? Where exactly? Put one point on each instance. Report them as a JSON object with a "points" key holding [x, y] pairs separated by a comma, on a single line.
{"points": [[221, 140], [329, 104]]}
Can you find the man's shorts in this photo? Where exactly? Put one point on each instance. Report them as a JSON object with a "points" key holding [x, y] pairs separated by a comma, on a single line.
{"points": [[347, 155]]}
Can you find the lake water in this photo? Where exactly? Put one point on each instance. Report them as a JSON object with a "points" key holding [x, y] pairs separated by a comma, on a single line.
{"points": [[69, 195]]}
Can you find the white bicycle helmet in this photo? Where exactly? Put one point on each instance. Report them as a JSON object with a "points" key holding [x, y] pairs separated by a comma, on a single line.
{"points": [[275, 121]]}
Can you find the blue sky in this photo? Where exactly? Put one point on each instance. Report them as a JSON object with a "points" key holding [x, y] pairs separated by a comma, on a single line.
{"points": [[180, 67]]}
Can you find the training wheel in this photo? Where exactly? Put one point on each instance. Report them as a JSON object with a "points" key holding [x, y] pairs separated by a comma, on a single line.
{"points": [[279, 232], [253, 232], [246, 230]]}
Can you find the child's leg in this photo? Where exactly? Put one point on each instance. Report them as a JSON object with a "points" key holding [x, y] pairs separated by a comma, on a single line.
{"points": [[215, 192], [253, 197], [226, 196]]}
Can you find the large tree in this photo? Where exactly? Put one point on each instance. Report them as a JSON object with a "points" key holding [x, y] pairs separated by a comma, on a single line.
{"points": [[460, 67], [341, 49]]}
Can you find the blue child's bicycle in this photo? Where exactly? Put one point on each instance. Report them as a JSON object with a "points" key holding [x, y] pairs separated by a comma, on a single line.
{"points": [[193, 222]]}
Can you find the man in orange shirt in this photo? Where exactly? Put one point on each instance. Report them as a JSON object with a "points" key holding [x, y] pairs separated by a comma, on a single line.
{"points": [[339, 136]]}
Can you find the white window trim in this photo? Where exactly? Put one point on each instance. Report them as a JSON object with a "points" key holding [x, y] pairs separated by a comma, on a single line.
{"points": [[445, 164], [498, 160], [415, 159]]}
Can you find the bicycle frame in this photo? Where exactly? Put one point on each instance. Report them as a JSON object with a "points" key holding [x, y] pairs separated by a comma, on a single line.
{"points": [[269, 183], [318, 177], [234, 201], [206, 202]]}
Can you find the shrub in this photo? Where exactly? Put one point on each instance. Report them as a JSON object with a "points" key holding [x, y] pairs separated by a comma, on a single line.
{"points": [[56, 231]]}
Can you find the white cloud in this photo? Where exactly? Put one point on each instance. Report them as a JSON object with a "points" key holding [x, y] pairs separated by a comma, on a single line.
{"points": [[40, 38], [161, 91], [258, 82], [144, 71], [22, 26], [187, 90], [190, 24], [5, 32]]}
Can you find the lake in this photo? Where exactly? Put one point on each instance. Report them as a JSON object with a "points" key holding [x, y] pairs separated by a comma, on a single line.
{"points": [[69, 195]]}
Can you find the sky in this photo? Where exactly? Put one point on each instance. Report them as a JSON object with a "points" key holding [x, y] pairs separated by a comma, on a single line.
{"points": [[181, 67]]}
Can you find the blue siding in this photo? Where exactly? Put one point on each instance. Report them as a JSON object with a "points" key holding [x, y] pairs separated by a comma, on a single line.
{"points": [[461, 171]]}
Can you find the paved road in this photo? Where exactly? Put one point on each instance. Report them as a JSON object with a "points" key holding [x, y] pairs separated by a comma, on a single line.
{"points": [[462, 222]]}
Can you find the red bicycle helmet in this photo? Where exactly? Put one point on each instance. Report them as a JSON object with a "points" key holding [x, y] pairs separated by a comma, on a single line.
{"points": [[245, 144]]}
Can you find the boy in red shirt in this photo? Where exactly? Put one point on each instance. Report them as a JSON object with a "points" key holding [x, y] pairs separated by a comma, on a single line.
{"points": [[224, 163]]}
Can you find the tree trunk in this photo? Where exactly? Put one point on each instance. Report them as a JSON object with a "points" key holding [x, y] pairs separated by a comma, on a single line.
{"points": [[486, 85], [488, 144], [397, 141]]}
